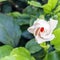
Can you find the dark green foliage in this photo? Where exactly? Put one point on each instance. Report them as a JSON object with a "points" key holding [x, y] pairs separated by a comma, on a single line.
{"points": [[15, 17], [35, 49], [9, 31]]}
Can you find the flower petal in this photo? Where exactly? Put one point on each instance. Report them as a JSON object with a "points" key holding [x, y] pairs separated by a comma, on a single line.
{"points": [[53, 24], [31, 29], [39, 40], [49, 37]]}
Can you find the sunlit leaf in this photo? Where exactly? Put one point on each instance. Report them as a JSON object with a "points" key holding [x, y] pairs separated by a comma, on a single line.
{"points": [[23, 52], [56, 41], [57, 9], [34, 3], [2, 0], [5, 50], [49, 6]]}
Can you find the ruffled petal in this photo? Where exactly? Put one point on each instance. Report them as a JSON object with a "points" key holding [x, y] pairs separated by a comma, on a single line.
{"points": [[49, 37], [31, 29], [53, 24], [39, 40]]}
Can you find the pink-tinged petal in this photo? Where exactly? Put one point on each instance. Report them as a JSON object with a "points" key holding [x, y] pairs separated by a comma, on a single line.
{"points": [[31, 29], [53, 24], [49, 37], [41, 40]]}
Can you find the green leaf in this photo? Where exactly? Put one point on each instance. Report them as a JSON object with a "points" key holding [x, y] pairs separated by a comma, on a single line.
{"points": [[57, 9], [53, 3], [56, 41], [33, 46], [55, 55], [20, 51], [32, 21], [20, 19], [16, 57], [58, 17], [34, 3], [35, 49], [6, 7], [9, 31], [49, 6], [23, 52], [19, 54], [2, 0], [5, 50], [18, 14], [28, 10], [15, 14]]}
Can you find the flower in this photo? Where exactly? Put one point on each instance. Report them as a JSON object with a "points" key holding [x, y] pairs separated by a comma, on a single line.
{"points": [[42, 30]]}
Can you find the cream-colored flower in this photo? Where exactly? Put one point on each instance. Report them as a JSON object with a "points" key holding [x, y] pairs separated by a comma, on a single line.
{"points": [[42, 30]]}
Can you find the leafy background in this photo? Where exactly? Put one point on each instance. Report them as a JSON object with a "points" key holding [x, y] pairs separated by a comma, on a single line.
{"points": [[15, 41]]}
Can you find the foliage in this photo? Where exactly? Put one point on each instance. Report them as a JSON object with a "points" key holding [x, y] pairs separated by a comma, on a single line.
{"points": [[19, 54], [53, 56], [49, 6], [2, 0], [5, 50], [56, 41], [9, 31], [15, 17], [32, 46]]}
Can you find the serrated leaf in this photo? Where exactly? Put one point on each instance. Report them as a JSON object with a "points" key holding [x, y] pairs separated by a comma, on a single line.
{"points": [[9, 31]]}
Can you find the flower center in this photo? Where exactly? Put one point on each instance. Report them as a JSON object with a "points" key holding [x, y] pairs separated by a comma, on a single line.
{"points": [[41, 29]]}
